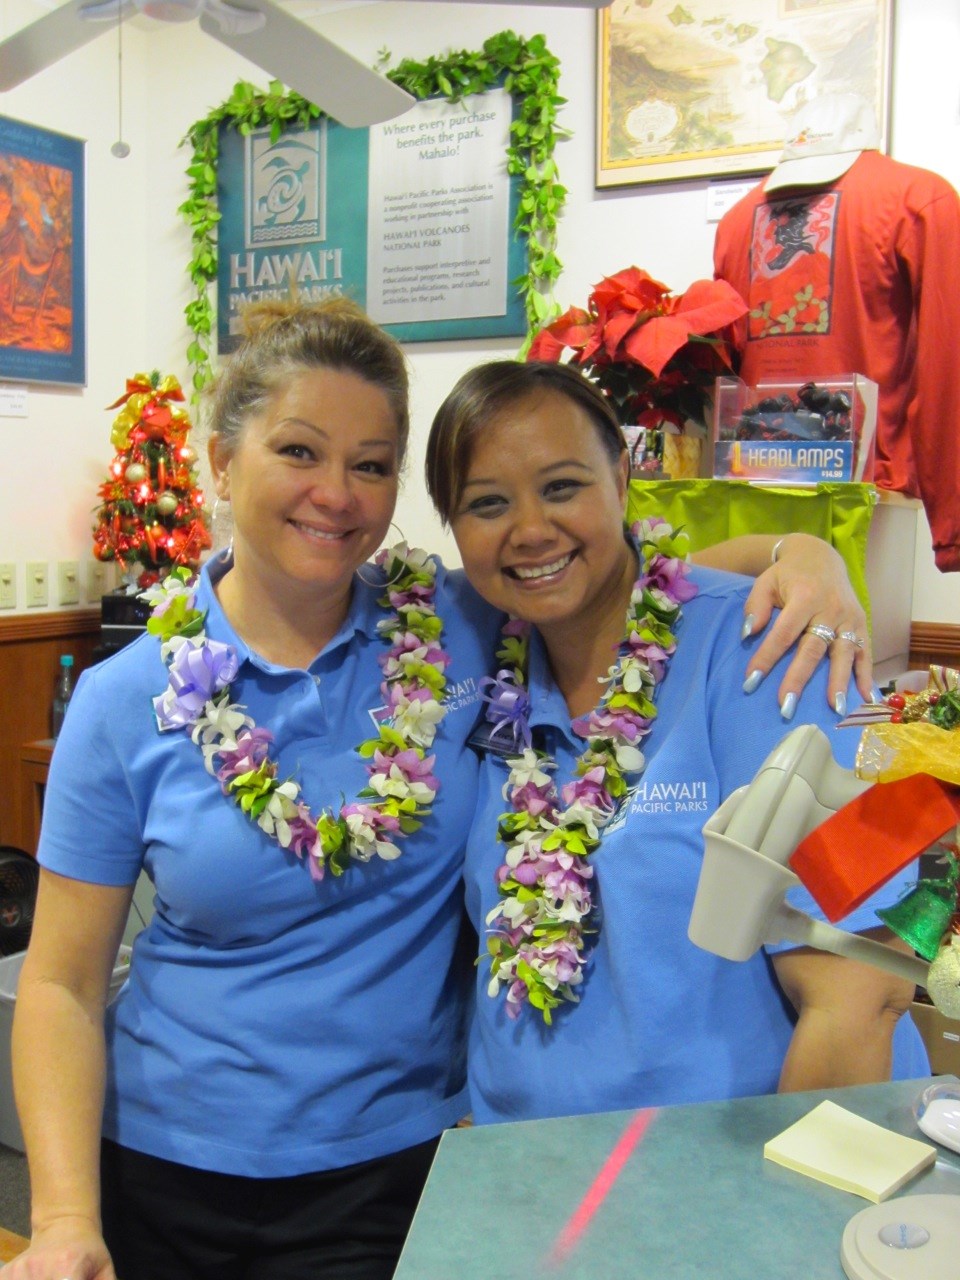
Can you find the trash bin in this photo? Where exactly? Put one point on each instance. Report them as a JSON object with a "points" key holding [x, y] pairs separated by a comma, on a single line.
{"points": [[10, 966]]}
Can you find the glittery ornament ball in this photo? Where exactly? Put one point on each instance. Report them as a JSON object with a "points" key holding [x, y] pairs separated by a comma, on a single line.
{"points": [[167, 504], [135, 473]]}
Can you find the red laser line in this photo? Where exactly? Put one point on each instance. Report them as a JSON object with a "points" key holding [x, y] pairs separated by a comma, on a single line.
{"points": [[597, 1192]]}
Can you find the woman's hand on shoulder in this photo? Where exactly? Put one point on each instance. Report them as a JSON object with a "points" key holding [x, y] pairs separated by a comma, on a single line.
{"points": [[820, 615], [69, 1249]]}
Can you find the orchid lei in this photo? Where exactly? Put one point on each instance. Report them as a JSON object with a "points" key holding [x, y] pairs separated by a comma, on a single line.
{"points": [[401, 786], [539, 927]]}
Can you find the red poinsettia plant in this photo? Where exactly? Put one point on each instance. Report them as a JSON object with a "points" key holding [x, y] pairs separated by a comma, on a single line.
{"points": [[655, 354]]}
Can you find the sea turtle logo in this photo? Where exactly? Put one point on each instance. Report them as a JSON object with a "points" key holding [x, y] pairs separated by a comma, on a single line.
{"points": [[286, 187]]}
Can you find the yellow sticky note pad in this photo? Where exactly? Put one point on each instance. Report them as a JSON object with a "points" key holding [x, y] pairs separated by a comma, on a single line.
{"points": [[838, 1147]]}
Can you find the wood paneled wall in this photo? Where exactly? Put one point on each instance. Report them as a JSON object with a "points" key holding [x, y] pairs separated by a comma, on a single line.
{"points": [[934, 643], [30, 649]]}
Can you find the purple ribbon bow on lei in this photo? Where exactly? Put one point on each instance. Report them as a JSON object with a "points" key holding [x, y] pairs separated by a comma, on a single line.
{"points": [[196, 674], [509, 706]]}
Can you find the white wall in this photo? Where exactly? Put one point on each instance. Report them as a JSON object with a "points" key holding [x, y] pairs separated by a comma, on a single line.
{"points": [[53, 461]]}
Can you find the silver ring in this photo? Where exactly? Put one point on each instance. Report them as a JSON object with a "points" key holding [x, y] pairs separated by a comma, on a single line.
{"points": [[852, 637], [822, 632]]}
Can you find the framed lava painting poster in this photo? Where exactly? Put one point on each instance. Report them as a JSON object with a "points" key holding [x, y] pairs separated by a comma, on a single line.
{"points": [[42, 320]]}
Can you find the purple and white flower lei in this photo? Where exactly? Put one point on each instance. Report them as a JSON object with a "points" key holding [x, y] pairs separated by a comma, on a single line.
{"points": [[401, 785], [539, 927]]}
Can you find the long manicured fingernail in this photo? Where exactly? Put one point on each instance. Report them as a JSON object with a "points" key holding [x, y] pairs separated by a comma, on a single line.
{"points": [[788, 706], [752, 681], [840, 704], [746, 631]]}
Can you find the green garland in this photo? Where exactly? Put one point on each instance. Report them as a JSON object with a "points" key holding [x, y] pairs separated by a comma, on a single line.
{"points": [[526, 69]]}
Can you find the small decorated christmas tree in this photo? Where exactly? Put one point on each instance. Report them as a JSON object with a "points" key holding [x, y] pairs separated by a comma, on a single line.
{"points": [[151, 515]]}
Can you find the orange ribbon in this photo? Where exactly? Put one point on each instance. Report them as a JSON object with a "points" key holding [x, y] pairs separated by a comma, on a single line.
{"points": [[866, 842]]}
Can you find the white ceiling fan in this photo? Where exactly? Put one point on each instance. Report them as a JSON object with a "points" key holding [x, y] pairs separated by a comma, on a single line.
{"points": [[267, 35]]}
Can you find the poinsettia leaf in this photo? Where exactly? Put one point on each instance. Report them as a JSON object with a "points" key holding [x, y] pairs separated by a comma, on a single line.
{"points": [[709, 305], [572, 329], [633, 288], [653, 343], [546, 347], [615, 330]]}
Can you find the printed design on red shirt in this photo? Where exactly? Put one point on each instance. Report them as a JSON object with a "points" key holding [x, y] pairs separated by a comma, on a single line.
{"points": [[791, 265]]}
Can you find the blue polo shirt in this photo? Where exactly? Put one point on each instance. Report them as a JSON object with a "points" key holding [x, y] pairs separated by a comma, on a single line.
{"points": [[273, 1025], [659, 1021]]}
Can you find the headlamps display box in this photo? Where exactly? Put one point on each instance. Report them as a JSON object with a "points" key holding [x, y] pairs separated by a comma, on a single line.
{"points": [[795, 432]]}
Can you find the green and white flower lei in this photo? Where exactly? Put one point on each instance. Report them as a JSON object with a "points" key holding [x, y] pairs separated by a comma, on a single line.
{"points": [[539, 927], [401, 786]]}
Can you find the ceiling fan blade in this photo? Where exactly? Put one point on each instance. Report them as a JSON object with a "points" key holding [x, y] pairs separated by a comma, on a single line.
{"points": [[325, 74], [43, 43], [555, 4]]}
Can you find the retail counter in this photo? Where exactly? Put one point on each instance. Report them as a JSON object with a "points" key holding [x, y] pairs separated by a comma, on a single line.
{"points": [[693, 1200]]}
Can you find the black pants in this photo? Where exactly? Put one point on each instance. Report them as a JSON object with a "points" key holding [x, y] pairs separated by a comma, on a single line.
{"points": [[166, 1221]]}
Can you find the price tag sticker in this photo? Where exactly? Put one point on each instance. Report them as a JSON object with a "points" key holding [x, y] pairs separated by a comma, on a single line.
{"points": [[13, 401]]}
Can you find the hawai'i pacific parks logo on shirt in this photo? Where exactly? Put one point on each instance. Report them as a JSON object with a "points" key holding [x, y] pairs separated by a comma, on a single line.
{"points": [[645, 796], [286, 187]]}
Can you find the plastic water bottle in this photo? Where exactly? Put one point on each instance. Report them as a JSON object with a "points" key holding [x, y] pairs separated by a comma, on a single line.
{"points": [[63, 691]]}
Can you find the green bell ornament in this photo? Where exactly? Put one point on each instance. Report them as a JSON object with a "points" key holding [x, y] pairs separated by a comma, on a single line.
{"points": [[923, 916]]}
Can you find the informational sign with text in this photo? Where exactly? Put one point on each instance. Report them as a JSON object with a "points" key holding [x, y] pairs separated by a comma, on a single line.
{"points": [[439, 212]]}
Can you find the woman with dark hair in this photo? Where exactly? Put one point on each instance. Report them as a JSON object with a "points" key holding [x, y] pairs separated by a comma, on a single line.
{"points": [[617, 726]]}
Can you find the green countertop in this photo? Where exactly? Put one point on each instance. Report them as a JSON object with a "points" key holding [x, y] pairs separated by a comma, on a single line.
{"points": [[695, 1200]]}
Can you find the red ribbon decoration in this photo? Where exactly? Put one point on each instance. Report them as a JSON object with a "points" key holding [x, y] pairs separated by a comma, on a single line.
{"points": [[844, 860]]}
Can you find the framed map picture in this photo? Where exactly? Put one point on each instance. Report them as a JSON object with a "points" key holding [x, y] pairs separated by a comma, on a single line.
{"points": [[42, 331], [703, 88]]}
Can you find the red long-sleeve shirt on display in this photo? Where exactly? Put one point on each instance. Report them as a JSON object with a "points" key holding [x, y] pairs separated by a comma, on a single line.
{"points": [[863, 277]]}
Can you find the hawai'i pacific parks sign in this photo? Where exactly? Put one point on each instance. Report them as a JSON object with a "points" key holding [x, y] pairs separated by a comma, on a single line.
{"points": [[411, 218]]}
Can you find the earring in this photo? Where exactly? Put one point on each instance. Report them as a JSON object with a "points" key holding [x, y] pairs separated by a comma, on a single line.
{"points": [[381, 583], [221, 526]]}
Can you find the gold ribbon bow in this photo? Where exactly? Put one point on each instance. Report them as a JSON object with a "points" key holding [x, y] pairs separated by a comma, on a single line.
{"points": [[140, 391], [925, 740]]}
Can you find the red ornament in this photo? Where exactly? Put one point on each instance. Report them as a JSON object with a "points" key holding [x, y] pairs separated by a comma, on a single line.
{"points": [[156, 422]]}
